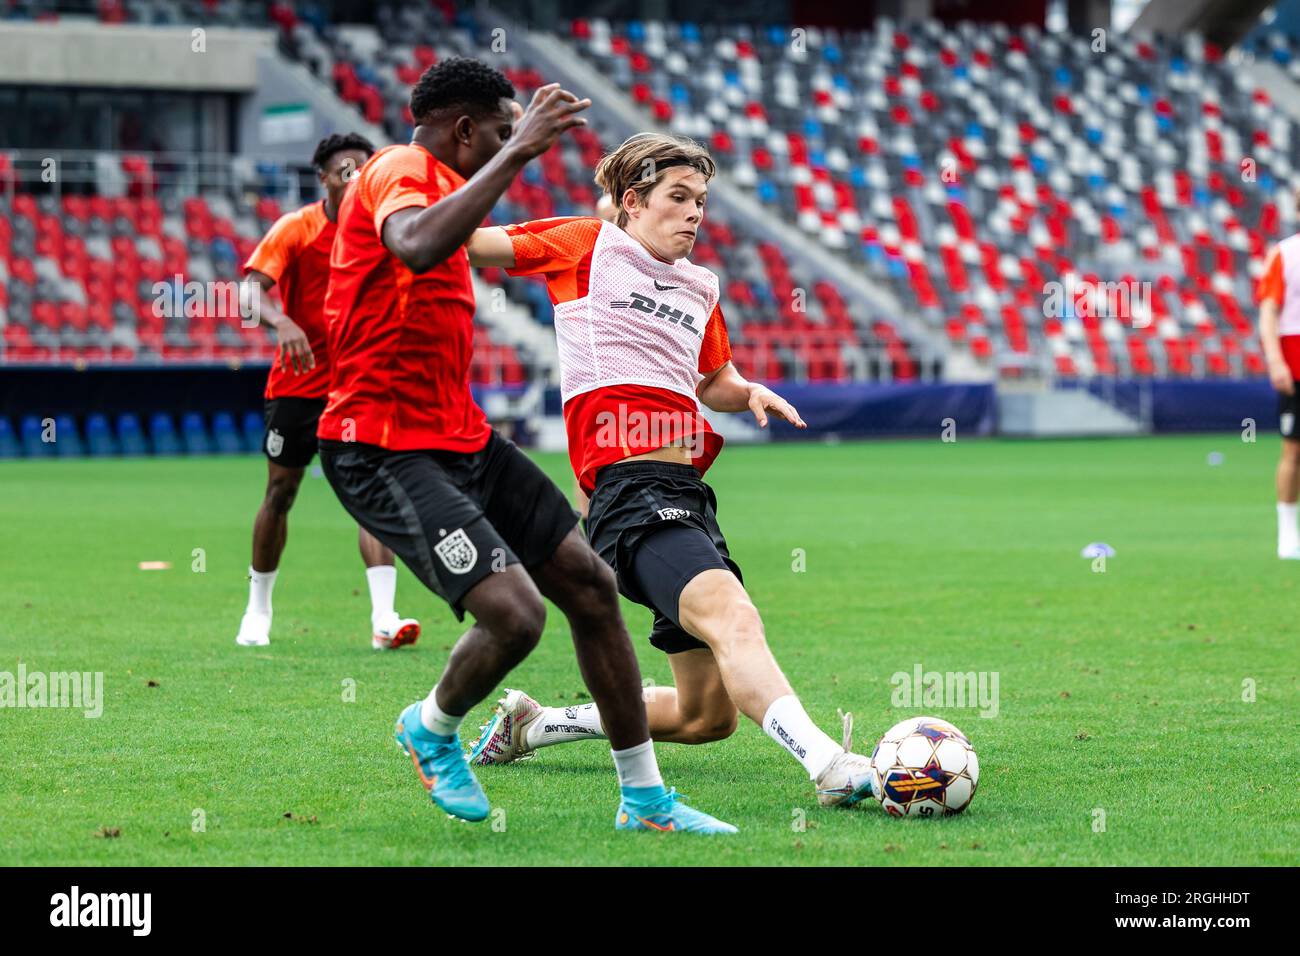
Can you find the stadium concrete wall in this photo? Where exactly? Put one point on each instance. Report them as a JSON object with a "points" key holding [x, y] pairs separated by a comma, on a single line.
{"points": [[74, 53]]}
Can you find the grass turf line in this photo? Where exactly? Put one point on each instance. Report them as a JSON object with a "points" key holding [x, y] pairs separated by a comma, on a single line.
{"points": [[1120, 691]]}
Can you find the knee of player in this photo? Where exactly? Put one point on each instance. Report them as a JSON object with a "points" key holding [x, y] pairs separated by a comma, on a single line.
{"points": [[521, 626], [712, 727], [280, 495], [594, 580], [1291, 452]]}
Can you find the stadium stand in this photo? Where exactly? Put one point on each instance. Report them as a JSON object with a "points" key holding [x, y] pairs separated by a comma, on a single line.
{"points": [[777, 334], [968, 167]]}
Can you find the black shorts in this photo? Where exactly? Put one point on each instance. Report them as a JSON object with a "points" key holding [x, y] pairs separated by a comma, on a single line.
{"points": [[656, 524], [290, 436], [1286, 415], [452, 518]]}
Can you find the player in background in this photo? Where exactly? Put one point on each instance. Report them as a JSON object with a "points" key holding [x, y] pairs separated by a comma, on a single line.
{"points": [[642, 343], [1279, 334], [412, 457], [294, 255]]}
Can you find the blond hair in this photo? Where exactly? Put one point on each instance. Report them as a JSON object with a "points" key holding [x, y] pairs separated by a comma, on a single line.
{"points": [[639, 163]]}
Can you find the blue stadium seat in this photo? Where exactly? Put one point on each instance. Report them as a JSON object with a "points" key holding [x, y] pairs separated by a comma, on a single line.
{"points": [[130, 435], [99, 437], [224, 434], [254, 429], [68, 438], [9, 447], [33, 445], [162, 432], [194, 434]]}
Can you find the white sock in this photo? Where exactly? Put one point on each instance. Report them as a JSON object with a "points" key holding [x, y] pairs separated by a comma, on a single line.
{"points": [[260, 586], [637, 766], [1288, 537], [559, 725], [789, 725], [436, 720], [382, 579]]}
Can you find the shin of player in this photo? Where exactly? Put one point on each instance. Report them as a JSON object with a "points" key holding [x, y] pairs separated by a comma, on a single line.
{"points": [[294, 255], [642, 344], [1279, 333]]}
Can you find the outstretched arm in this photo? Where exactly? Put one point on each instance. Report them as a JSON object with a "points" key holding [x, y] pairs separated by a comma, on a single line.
{"points": [[491, 246], [726, 390], [423, 238]]}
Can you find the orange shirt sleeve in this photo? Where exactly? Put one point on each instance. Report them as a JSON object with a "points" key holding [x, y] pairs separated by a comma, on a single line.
{"points": [[1271, 284], [551, 246], [715, 350], [281, 243], [398, 180]]}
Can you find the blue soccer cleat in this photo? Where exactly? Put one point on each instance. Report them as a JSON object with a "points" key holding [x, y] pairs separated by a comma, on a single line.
{"points": [[665, 812], [441, 766]]}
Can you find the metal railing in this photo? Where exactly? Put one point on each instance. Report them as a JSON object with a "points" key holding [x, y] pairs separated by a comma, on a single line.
{"points": [[60, 171]]}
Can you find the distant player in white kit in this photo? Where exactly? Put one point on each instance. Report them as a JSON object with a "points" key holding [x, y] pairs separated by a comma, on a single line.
{"points": [[1279, 333], [642, 343]]}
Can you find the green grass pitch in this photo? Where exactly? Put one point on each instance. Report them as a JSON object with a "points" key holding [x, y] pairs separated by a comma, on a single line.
{"points": [[1121, 691]]}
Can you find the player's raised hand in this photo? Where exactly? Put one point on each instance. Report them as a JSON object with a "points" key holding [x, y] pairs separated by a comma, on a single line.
{"points": [[295, 350], [763, 400], [552, 111]]}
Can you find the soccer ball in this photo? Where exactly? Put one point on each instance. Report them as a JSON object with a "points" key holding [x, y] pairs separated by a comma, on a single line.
{"points": [[924, 767]]}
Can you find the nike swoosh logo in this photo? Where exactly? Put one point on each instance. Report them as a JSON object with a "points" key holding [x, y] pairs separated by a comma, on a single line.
{"points": [[429, 782], [657, 826], [665, 288]]}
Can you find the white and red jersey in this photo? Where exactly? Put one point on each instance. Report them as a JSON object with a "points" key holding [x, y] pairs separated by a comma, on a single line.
{"points": [[1281, 283], [636, 336]]}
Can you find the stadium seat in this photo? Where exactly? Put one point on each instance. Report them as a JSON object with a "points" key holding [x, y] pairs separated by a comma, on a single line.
{"points": [[225, 437], [99, 437], [34, 433], [162, 435], [9, 447], [254, 427], [194, 434], [130, 435], [68, 443]]}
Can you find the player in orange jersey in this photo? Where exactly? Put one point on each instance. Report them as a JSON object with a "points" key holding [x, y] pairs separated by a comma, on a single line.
{"points": [[1279, 334], [294, 255]]}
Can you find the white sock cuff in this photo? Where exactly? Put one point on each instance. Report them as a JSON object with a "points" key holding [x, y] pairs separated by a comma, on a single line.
{"points": [[382, 580], [787, 723], [637, 766], [436, 720]]}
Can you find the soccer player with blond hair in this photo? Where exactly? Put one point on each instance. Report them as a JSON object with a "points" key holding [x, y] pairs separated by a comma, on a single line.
{"points": [[642, 344]]}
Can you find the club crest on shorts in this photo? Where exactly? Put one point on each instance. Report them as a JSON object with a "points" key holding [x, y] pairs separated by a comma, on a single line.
{"points": [[274, 443], [457, 552], [672, 514], [1288, 423]]}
